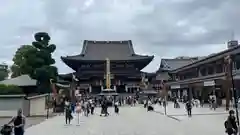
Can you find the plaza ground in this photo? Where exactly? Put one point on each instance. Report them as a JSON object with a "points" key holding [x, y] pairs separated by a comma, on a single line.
{"points": [[180, 114], [133, 121]]}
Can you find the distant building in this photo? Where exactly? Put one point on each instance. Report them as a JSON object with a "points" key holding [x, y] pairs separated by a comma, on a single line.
{"points": [[4, 71], [3, 66], [232, 43], [167, 65]]}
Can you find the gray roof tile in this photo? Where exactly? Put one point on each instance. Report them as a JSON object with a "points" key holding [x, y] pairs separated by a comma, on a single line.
{"points": [[23, 80], [114, 50], [172, 64], [162, 76]]}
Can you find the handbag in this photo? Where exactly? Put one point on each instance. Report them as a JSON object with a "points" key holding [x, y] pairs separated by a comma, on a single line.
{"points": [[71, 117]]}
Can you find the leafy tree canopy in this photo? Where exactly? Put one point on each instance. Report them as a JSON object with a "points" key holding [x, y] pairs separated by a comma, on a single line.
{"points": [[36, 60], [21, 66]]}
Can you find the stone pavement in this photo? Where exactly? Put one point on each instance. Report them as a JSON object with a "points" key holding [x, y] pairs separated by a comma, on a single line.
{"points": [[182, 114], [131, 121]]}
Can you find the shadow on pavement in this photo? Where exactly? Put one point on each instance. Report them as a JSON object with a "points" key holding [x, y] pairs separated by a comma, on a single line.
{"points": [[169, 116]]}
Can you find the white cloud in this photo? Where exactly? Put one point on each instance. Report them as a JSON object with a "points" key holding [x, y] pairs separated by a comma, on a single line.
{"points": [[164, 28], [195, 31]]}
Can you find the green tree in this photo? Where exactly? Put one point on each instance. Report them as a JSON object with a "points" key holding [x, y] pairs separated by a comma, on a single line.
{"points": [[36, 60], [3, 71], [21, 66]]}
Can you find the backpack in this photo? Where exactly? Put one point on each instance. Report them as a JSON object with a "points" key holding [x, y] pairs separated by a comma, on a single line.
{"points": [[6, 130], [227, 124]]}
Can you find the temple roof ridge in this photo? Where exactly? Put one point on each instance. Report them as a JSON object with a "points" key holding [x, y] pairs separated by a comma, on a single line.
{"points": [[96, 51], [114, 50]]}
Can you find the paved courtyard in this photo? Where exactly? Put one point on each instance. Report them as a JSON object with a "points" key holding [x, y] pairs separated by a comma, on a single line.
{"points": [[181, 114], [132, 121]]}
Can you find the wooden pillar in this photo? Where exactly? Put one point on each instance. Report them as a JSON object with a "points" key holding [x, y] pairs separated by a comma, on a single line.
{"points": [[190, 93], [72, 91]]}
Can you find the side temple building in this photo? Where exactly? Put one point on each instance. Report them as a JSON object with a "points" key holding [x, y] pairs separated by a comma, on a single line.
{"points": [[207, 76]]}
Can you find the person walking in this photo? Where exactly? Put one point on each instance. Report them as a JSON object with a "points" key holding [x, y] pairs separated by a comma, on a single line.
{"points": [[92, 104], [175, 102], [102, 108], [78, 111], [68, 112], [18, 123], [116, 109], [144, 103], [106, 103], [73, 105], [189, 108], [231, 124], [86, 108]]}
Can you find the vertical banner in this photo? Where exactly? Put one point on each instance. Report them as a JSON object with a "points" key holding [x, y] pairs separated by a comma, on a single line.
{"points": [[108, 74]]}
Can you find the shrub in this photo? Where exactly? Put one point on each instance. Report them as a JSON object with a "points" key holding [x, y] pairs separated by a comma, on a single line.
{"points": [[10, 89]]}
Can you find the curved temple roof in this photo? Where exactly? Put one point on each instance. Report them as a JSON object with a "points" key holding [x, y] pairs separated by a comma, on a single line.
{"points": [[114, 50], [172, 64]]}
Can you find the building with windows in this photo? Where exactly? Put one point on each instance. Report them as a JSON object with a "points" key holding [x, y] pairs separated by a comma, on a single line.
{"points": [[4, 71], [208, 76], [3, 66], [167, 65]]}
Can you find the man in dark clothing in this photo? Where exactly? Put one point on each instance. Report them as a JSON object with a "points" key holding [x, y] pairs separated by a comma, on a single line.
{"points": [[102, 108], [106, 108], [175, 102], [230, 124], [19, 123], [189, 108], [68, 114], [92, 108]]}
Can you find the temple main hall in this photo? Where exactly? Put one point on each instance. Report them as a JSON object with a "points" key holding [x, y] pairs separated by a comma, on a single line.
{"points": [[90, 67]]}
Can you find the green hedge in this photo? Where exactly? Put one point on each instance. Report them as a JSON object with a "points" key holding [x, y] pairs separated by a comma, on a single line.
{"points": [[10, 89]]}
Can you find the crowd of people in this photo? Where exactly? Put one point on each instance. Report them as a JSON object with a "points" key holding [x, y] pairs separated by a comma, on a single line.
{"points": [[86, 106]]}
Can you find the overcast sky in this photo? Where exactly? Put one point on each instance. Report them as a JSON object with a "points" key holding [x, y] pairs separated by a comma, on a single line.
{"points": [[164, 28]]}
